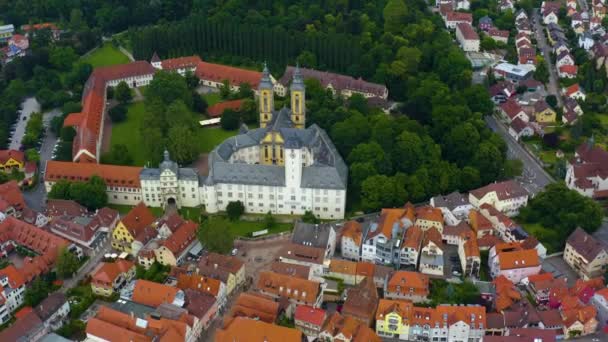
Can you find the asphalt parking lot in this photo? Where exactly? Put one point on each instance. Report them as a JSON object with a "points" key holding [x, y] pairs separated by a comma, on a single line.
{"points": [[29, 106]]}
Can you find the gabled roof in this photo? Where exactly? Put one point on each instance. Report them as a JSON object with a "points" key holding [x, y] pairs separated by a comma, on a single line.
{"points": [[518, 125], [6, 155], [218, 109], [572, 89], [234, 76], [153, 294], [504, 190], [277, 284], [362, 300], [293, 270], [518, 259], [585, 244], [10, 195], [310, 315], [113, 175], [138, 218], [406, 279], [13, 276], [386, 306], [227, 262], [182, 238], [199, 283], [511, 108], [343, 267], [353, 230], [60, 207], [107, 272], [255, 306], [244, 329], [189, 62]]}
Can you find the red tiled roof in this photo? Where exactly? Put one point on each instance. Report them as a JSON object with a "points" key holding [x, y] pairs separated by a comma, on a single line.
{"points": [[23, 312], [36, 239], [219, 108], [40, 26], [518, 124], [60, 207], [498, 33], [504, 190], [310, 315], [568, 69], [11, 195], [255, 306], [181, 63], [511, 108], [5, 155], [244, 329], [153, 294], [235, 76], [14, 277], [113, 175], [182, 238], [460, 17], [572, 89], [107, 272], [138, 218], [518, 259]]}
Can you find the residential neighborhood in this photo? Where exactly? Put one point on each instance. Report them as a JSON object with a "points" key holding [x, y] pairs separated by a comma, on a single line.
{"points": [[304, 171]]}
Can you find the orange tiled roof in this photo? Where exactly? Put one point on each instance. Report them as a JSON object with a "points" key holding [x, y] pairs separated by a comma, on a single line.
{"points": [[199, 283], [182, 238], [471, 249], [5, 155], [362, 301], [244, 329], [218, 109], [255, 306], [365, 269], [473, 315], [506, 293], [388, 219], [479, 222], [109, 271], [405, 280], [278, 284], [429, 213], [309, 314], [113, 175], [181, 62], [11, 195], [138, 218], [36, 239], [230, 263], [353, 230], [343, 267], [153, 294], [235, 76], [518, 259], [413, 238], [402, 307]]}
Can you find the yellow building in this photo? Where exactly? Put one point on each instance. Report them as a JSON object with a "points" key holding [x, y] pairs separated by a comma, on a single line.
{"points": [[271, 151], [392, 318], [130, 226], [544, 113], [230, 270], [174, 248], [11, 159]]}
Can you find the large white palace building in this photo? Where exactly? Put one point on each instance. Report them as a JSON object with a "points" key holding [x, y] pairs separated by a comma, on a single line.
{"points": [[281, 167]]}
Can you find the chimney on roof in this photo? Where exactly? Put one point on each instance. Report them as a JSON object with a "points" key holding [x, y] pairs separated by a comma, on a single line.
{"points": [[215, 266]]}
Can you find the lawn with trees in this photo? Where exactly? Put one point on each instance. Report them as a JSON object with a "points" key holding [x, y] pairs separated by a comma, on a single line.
{"points": [[552, 215]]}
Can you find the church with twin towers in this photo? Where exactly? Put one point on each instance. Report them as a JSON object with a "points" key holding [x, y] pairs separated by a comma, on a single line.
{"points": [[282, 167]]}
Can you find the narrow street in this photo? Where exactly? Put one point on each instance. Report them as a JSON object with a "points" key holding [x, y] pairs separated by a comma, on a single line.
{"points": [[534, 177], [543, 45], [88, 267]]}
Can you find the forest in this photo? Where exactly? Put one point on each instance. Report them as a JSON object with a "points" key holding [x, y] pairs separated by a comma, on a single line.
{"points": [[435, 142]]}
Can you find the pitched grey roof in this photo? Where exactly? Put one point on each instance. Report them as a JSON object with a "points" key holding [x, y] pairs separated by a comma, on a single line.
{"points": [[187, 173], [313, 235], [328, 170], [450, 201], [149, 174], [585, 244]]}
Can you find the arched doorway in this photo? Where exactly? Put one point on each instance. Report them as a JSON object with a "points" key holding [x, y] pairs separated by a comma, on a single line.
{"points": [[171, 206]]}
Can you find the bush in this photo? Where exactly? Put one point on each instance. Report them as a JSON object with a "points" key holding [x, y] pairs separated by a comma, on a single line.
{"points": [[118, 113], [230, 120], [235, 210]]}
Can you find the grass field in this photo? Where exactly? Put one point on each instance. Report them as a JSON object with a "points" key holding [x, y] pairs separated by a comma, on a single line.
{"points": [[245, 228], [212, 98], [124, 209], [106, 55], [127, 133]]}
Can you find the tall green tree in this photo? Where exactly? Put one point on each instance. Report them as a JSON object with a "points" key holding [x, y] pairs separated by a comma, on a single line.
{"points": [[214, 235], [122, 93], [395, 13], [66, 264]]}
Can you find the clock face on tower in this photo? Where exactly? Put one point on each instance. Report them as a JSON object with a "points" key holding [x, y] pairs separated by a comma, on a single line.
{"points": [[292, 155]]}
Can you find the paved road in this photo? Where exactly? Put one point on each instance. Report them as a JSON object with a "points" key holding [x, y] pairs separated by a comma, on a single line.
{"points": [[582, 4], [543, 45], [534, 177], [88, 267], [29, 106], [36, 197]]}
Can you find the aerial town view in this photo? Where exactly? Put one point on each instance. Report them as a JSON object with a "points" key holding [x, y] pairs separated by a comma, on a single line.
{"points": [[304, 170]]}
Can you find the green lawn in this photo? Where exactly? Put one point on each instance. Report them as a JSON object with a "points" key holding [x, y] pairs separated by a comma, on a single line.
{"points": [[212, 98], [127, 133], [545, 235], [209, 137], [106, 55], [124, 209]]}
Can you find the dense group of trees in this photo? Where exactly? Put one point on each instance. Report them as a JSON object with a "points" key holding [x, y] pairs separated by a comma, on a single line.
{"points": [[214, 236], [560, 211], [168, 121], [67, 263], [91, 194]]}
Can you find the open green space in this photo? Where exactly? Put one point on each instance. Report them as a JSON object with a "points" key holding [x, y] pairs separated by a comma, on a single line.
{"points": [[106, 55], [541, 233], [127, 133], [124, 209], [212, 98]]}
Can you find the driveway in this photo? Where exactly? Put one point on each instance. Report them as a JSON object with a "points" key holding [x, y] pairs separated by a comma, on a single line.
{"points": [[534, 178], [29, 106], [543, 45], [557, 265], [36, 198]]}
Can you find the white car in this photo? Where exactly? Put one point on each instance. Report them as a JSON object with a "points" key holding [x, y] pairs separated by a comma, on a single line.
{"points": [[234, 251]]}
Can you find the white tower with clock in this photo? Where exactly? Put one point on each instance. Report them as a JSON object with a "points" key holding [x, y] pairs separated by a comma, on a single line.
{"points": [[293, 167]]}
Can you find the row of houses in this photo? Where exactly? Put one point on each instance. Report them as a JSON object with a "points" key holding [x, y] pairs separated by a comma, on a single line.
{"points": [[17, 44]]}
